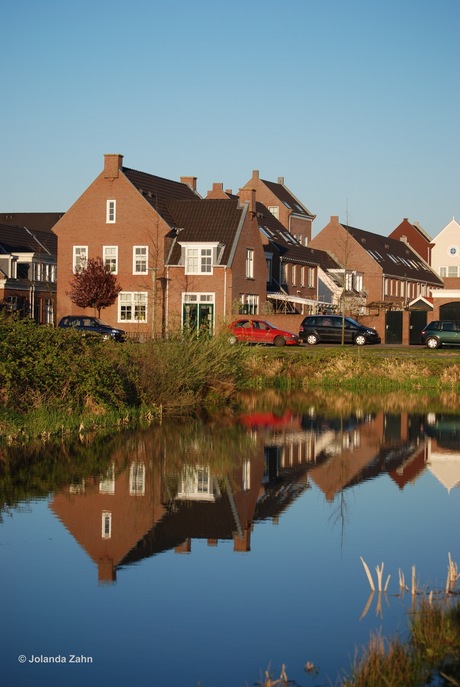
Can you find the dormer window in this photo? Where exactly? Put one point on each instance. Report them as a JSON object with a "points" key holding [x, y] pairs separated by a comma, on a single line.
{"points": [[111, 211], [199, 259], [274, 209]]}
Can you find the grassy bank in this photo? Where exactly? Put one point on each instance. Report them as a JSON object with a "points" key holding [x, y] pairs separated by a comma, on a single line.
{"points": [[54, 381], [431, 655]]}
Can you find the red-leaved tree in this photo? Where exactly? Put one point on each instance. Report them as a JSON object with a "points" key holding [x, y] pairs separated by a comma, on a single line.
{"points": [[94, 286]]}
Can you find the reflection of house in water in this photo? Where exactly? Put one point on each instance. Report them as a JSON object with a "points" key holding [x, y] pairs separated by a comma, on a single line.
{"points": [[160, 494], [147, 503], [383, 443], [342, 452], [444, 448]]}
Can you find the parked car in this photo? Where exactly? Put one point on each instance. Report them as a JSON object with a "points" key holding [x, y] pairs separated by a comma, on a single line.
{"points": [[441, 332], [328, 329], [92, 325], [261, 331]]}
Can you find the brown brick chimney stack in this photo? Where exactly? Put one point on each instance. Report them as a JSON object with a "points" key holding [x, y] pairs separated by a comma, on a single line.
{"points": [[248, 195], [190, 181], [112, 165]]}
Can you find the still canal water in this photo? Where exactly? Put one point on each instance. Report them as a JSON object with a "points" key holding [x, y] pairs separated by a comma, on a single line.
{"points": [[204, 554]]}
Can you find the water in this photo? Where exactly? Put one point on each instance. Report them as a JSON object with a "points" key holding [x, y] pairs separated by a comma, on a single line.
{"points": [[205, 555]]}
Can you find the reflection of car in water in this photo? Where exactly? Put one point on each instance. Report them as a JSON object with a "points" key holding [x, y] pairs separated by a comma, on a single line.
{"points": [[445, 428]]}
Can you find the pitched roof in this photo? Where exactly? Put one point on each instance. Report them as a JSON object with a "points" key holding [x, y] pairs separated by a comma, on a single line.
{"points": [[287, 198], [288, 246], [396, 258], [205, 220], [159, 191], [37, 221], [22, 240]]}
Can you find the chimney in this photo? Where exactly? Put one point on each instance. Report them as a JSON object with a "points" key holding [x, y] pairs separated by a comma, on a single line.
{"points": [[248, 195], [403, 239], [281, 181], [112, 166], [190, 182], [255, 174]]}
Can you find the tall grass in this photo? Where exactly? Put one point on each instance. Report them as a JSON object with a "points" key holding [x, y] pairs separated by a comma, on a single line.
{"points": [[431, 655]]}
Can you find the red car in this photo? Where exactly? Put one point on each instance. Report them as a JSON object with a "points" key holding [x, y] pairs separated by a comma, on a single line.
{"points": [[261, 331]]}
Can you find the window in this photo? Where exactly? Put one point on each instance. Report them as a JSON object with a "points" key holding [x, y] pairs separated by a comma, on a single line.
{"points": [[249, 264], [106, 524], [443, 271], [311, 277], [132, 306], [274, 209], [137, 479], [80, 257], [198, 260], [140, 264], [111, 211], [302, 276], [283, 273], [452, 271], [110, 254], [269, 260], [294, 275], [249, 304], [107, 483]]}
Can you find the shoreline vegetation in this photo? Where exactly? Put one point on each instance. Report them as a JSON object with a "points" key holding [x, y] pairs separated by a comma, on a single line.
{"points": [[58, 383]]}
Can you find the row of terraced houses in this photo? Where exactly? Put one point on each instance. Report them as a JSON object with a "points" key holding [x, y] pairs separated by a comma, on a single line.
{"points": [[184, 260]]}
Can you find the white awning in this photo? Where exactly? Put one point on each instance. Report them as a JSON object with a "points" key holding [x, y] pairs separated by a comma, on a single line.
{"points": [[295, 299]]}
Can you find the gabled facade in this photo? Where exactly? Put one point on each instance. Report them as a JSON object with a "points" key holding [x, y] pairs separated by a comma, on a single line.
{"points": [[180, 260], [415, 236], [28, 272], [300, 279], [445, 251], [392, 273], [282, 203]]}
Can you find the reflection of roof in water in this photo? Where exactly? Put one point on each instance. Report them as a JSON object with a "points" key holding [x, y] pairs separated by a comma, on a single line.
{"points": [[186, 520], [281, 492]]}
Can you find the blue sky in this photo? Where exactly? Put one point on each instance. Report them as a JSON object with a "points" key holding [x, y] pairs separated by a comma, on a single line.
{"points": [[356, 103]]}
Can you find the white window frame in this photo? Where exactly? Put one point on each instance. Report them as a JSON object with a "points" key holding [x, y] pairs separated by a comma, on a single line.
{"points": [[137, 479], [107, 483], [136, 301], [249, 263], [252, 301], [111, 212], [79, 257], [140, 257], [106, 524], [274, 209], [110, 258], [199, 258]]}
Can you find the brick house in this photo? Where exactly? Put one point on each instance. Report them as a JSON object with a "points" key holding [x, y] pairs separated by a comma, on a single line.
{"points": [[282, 203], [180, 259], [28, 272], [300, 279], [415, 236], [390, 273]]}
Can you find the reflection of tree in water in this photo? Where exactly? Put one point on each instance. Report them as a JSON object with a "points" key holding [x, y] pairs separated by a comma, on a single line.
{"points": [[38, 469], [34, 471]]}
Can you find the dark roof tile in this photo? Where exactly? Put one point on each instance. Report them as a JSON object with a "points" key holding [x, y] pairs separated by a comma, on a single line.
{"points": [[396, 258]]}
